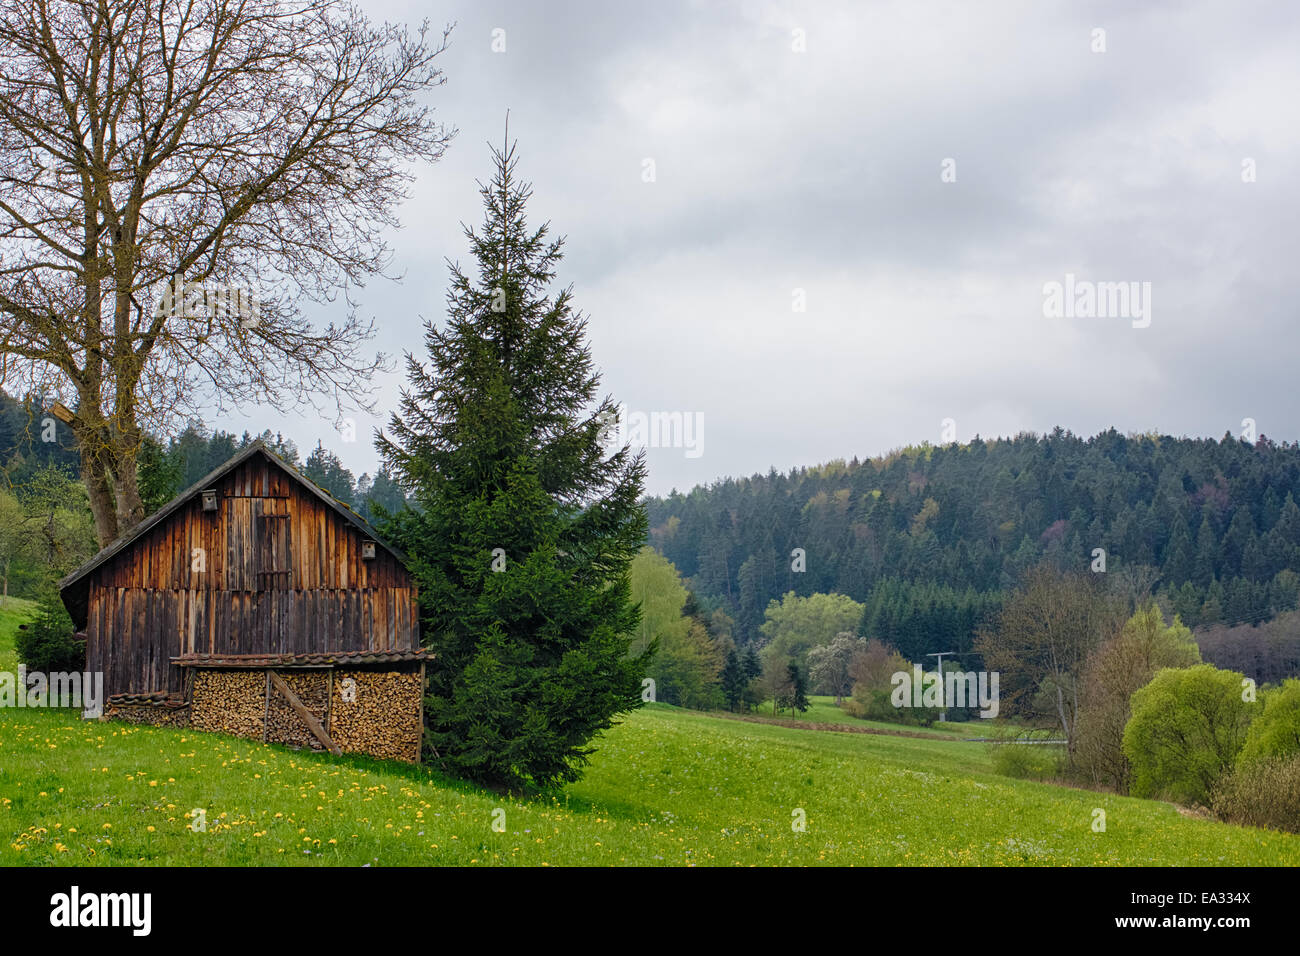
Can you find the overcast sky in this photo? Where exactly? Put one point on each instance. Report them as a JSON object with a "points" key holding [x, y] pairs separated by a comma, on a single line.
{"points": [[823, 170]]}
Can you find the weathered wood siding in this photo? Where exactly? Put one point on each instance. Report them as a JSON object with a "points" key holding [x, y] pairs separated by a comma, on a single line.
{"points": [[274, 571]]}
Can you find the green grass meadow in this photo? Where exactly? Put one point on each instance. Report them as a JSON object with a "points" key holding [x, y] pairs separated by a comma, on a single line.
{"points": [[665, 787]]}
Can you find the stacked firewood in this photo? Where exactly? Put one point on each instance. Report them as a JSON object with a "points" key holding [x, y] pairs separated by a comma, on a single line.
{"points": [[229, 702], [379, 713], [147, 714], [283, 724]]}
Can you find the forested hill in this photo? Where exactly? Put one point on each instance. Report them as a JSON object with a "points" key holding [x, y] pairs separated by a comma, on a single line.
{"points": [[927, 537]]}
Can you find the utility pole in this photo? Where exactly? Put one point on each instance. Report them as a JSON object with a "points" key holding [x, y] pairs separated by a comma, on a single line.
{"points": [[943, 714]]}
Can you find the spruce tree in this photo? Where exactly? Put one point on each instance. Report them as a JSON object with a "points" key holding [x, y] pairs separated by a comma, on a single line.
{"points": [[798, 689], [524, 524], [733, 680]]}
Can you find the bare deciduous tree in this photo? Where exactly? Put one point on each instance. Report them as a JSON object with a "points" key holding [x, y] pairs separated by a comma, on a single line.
{"points": [[1119, 667], [830, 665], [244, 153], [1047, 630]]}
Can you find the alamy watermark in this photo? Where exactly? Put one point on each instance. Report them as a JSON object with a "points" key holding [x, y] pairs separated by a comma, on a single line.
{"points": [[56, 689], [946, 691], [1084, 299], [129, 910], [193, 300], [653, 430]]}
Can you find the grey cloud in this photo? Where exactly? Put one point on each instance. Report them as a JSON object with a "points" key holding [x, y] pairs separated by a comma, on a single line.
{"points": [[821, 171]]}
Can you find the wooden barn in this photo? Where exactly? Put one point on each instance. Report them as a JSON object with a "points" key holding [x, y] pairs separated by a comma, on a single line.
{"points": [[257, 604]]}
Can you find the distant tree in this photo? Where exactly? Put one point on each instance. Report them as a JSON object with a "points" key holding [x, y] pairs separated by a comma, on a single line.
{"points": [[384, 496], [326, 469], [47, 643], [160, 474], [733, 680], [777, 683], [797, 624], [798, 684], [1118, 668], [872, 671], [1133, 584], [721, 625], [1207, 553], [15, 538], [1268, 652], [687, 668], [59, 520], [752, 667], [829, 665], [686, 662], [223, 449], [1042, 640], [657, 587], [1276, 731]]}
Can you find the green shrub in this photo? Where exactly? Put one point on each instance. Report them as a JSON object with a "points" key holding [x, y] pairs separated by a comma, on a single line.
{"points": [[878, 705], [1262, 793], [1276, 731], [1027, 761], [1188, 726], [47, 643]]}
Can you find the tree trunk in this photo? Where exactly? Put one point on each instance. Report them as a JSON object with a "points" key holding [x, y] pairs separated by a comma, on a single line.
{"points": [[126, 489], [108, 469], [103, 503]]}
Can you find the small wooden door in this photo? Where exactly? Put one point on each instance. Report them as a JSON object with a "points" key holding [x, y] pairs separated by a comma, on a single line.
{"points": [[273, 560]]}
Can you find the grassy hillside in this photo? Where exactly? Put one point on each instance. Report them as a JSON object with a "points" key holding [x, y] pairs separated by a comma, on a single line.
{"points": [[15, 611], [666, 787]]}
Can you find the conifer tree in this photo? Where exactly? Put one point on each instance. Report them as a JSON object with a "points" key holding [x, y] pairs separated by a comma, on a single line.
{"points": [[524, 523], [798, 689], [733, 680]]}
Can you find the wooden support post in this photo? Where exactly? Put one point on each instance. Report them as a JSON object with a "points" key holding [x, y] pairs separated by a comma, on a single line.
{"points": [[307, 716], [419, 744]]}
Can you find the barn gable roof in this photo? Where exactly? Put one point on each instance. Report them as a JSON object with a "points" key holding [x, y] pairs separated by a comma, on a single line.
{"points": [[74, 588]]}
